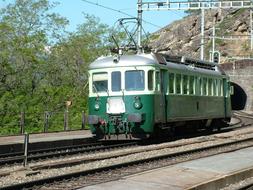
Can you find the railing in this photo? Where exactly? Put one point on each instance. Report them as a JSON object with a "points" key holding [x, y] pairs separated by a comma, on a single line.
{"points": [[194, 5], [19, 123]]}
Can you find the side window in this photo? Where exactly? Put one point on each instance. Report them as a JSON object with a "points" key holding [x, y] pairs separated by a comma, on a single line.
{"points": [[162, 81], [178, 83], [191, 85], [215, 87], [158, 81], [116, 81], [185, 84], [171, 83], [200, 79], [210, 85], [218, 87], [221, 87], [204, 86], [151, 80]]}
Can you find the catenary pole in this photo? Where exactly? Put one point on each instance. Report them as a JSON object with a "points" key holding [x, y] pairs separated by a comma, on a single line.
{"points": [[139, 9], [202, 47]]}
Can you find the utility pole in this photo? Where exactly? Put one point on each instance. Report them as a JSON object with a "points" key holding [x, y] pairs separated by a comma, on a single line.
{"points": [[213, 44], [213, 40], [139, 20], [251, 30], [202, 43]]}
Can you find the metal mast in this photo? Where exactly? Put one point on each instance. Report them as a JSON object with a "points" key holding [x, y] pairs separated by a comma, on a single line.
{"points": [[159, 5], [251, 30], [202, 43], [139, 20], [213, 43]]}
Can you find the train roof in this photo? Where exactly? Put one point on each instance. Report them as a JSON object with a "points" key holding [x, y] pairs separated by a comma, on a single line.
{"points": [[124, 60], [151, 59]]}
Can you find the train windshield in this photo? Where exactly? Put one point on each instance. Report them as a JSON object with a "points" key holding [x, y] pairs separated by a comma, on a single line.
{"points": [[116, 81], [134, 80], [100, 82]]}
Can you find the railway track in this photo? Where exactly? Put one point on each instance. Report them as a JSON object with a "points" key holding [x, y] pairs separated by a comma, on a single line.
{"points": [[132, 161], [243, 119], [41, 154], [36, 169], [243, 114], [34, 155]]}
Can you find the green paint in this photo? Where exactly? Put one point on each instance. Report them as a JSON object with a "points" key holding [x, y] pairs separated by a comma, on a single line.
{"points": [[146, 126]]}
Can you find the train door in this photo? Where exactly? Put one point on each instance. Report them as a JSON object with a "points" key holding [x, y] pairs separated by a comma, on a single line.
{"points": [[164, 86], [226, 94], [160, 90]]}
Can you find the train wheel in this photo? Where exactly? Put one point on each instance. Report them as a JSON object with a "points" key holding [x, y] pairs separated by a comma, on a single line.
{"points": [[219, 124]]}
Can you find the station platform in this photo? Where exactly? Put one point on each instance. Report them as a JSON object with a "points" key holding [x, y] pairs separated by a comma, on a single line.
{"points": [[206, 173], [43, 140]]}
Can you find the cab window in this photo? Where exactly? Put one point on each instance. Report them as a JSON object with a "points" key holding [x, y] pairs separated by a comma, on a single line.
{"points": [[100, 82], [134, 80], [116, 81]]}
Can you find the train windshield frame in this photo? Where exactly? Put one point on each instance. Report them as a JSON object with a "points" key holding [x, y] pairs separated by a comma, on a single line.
{"points": [[116, 81], [100, 82], [135, 80]]}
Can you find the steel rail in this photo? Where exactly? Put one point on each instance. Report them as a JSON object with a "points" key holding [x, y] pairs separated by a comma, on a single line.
{"points": [[37, 151], [128, 164], [87, 148], [245, 115], [70, 150]]}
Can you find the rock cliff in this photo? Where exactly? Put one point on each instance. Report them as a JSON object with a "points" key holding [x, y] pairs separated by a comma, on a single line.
{"points": [[182, 37]]}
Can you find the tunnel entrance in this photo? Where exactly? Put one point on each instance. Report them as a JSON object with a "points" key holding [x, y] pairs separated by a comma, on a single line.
{"points": [[239, 98]]}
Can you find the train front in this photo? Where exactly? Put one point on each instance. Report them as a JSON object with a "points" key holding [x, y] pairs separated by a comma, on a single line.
{"points": [[121, 97]]}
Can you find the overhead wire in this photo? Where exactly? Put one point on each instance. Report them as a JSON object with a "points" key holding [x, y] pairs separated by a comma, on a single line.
{"points": [[108, 8], [121, 12]]}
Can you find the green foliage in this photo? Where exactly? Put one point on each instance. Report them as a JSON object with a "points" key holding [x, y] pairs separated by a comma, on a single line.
{"points": [[42, 67], [154, 37]]}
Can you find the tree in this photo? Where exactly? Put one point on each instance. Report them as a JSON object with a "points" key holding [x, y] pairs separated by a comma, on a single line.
{"points": [[42, 66], [27, 27]]}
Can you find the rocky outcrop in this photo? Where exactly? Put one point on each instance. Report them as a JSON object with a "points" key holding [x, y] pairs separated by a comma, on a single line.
{"points": [[182, 37]]}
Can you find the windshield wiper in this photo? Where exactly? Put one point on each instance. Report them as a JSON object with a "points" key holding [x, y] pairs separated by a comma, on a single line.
{"points": [[104, 88], [95, 88]]}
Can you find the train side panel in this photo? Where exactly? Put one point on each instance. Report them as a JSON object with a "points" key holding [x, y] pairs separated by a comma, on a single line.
{"points": [[186, 107]]}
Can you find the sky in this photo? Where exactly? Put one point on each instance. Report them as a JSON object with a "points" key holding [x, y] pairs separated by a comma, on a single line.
{"points": [[74, 11]]}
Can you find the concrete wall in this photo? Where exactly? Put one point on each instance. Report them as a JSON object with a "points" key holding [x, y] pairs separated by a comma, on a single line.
{"points": [[241, 72]]}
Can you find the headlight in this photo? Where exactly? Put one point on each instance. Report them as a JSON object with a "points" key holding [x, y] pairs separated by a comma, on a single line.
{"points": [[137, 103], [96, 106]]}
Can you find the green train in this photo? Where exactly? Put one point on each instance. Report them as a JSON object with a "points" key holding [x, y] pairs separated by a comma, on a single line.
{"points": [[141, 95]]}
